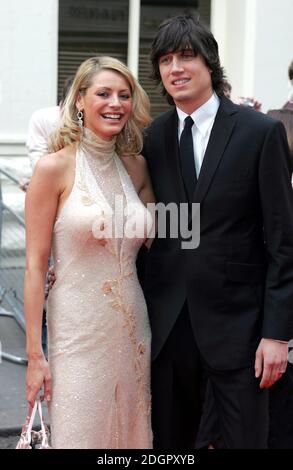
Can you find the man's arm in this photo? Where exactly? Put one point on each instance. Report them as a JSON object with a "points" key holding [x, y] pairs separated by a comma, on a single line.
{"points": [[277, 211], [37, 139]]}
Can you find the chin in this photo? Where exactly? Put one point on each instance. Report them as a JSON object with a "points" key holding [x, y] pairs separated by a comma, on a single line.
{"points": [[113, 131], [182, 95], [181, 98]]}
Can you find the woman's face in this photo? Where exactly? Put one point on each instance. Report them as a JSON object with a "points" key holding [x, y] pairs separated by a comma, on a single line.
{"points": [[106, 104]]}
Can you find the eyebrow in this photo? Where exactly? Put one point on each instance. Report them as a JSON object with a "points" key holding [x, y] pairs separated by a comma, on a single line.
{"points": [[109, 89], [174, 51]]}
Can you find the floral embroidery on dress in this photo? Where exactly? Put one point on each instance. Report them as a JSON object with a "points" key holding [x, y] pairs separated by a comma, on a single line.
{"points": [[102, 226], [115, 288], [86, 197]]}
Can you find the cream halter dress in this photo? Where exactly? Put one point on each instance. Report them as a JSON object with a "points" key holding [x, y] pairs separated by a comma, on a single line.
{"points": [[99, 336]]}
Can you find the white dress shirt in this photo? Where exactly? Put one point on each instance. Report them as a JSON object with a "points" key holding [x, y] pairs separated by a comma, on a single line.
{"points": [[42, 123], [203, 118]]}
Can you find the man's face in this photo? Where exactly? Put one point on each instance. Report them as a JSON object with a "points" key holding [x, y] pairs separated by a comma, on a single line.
{"points": [[186, 78]]}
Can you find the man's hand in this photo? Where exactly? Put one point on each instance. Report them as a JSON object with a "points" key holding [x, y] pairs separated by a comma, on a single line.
{"points": [[248, 101], [23, 184], [271, 361], [51, 277]]}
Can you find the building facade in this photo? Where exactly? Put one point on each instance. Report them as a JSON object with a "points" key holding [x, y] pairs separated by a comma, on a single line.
{"points": [[44, 41]]}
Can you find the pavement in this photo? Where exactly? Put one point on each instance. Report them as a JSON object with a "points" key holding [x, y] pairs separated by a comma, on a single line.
{"points": [[13, 406]]}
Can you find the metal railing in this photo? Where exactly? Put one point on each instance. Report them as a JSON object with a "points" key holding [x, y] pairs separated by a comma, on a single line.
{"points": [[12, 261]]}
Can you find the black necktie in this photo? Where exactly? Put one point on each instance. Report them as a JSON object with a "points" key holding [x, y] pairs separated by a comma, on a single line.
{"points": [[187, 158]]}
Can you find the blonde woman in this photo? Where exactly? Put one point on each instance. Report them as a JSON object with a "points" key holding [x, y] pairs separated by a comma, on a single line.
{"points": [[86, 202]]}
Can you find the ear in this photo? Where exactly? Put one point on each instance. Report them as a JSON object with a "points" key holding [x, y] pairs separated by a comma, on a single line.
{"points": [[79, 102]]}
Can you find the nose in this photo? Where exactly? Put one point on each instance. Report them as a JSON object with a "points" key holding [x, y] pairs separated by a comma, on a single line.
{"points": [[115, 101], [176, 65]]}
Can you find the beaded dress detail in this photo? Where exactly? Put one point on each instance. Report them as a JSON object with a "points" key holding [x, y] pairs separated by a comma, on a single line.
{"points": [[98, 330]]}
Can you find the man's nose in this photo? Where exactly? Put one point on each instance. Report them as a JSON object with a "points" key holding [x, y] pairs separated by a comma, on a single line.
{"points": [[176, 65]]}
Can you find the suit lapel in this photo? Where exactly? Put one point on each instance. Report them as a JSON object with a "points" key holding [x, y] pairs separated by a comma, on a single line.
{"points": [[172, 155], [219, 138]]}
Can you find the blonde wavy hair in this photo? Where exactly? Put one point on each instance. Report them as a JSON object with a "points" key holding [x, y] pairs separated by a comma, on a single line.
{"points": [[130, 139]]}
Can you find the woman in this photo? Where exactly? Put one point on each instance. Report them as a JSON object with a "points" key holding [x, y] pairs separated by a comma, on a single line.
{"points": [[86, 202]]}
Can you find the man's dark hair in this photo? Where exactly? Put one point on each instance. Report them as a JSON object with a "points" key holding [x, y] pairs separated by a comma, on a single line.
{"points": [[185, 32], [290, 71]]}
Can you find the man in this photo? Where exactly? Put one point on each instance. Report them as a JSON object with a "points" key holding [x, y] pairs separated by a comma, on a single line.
{"points": [[226, 306], [42, 123]]}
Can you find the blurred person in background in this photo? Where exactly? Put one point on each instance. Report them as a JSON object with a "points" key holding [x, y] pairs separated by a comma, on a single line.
{"points": [[285, 115], [42, 124], [241, 100], [289, 102]]}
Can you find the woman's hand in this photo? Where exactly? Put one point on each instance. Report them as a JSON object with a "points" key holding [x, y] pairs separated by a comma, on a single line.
{"points": [[38, 375]]}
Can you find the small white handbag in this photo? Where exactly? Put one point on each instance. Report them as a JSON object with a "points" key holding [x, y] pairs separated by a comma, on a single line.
{"points": [[30, 439]]}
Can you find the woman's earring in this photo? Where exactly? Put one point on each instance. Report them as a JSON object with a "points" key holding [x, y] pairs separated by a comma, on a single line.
{"points": [[80, 118]]}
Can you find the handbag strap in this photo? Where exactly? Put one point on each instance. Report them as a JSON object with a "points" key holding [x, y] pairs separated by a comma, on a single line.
{"points": [[37, 406], [43, 430]]}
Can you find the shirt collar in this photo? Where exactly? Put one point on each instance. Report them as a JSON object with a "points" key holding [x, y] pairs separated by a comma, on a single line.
{"points": [[204, 116]]}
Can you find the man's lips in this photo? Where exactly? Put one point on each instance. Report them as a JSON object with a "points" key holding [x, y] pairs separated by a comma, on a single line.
{"points": [[180, 81]]}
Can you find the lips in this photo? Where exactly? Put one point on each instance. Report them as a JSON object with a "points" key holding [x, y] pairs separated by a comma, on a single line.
{"points": [[112, 116], [180, 81]]}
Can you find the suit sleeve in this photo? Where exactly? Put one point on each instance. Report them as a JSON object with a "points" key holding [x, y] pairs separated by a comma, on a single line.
{"points": [[277, 210]]}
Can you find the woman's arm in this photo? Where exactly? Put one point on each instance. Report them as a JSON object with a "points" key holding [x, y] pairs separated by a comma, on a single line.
{"points": [[40, 212], [137, 169], [147, 196]]}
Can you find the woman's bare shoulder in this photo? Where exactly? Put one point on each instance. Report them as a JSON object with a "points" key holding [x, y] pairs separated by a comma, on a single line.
{"points": [[55, 164]]}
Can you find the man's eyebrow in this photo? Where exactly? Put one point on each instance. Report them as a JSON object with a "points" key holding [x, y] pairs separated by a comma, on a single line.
{"points": [[180, 49]]}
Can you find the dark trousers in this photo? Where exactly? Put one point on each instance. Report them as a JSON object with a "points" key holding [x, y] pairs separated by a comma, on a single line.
{"points": [[177, 373], [280, 416], [281, 412]]}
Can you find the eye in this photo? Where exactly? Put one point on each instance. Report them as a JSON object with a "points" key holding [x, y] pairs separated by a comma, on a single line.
{"points": [[187, 54], [125, 96], [165, 60], [103, 94]]}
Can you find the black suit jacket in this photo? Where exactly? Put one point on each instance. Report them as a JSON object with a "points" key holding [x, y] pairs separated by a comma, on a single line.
{"points": [[239, 281]]}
